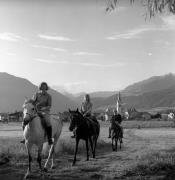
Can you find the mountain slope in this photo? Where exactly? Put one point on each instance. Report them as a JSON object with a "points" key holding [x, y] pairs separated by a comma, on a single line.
{"points": [[13, 91], [157, 91], [155, 83]]}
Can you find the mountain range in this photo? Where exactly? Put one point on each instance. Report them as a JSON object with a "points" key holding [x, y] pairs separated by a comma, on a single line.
{"points": [[13, 91], [157, 91]]}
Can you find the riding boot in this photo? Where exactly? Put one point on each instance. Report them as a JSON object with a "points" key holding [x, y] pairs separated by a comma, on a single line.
{"points": [[109, 132], [49, 134]]}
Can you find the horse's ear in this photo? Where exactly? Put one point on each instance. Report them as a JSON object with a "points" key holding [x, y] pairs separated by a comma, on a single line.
{"points": [[77, 110], [26, 99], [69, 111]]}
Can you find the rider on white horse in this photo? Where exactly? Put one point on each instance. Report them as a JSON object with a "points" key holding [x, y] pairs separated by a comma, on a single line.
{"points": [[42, 101]]}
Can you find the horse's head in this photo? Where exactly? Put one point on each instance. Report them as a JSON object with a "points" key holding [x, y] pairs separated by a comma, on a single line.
{"points": [[29, 111], [75, 119]]}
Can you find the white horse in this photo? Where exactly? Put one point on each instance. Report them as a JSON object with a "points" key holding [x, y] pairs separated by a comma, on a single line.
{"points": [[34, 133]]}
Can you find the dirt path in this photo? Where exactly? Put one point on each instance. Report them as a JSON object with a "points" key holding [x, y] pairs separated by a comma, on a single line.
{"points": [[107, 165]]}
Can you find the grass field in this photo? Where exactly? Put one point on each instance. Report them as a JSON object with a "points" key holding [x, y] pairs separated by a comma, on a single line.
{"points": [[147, 153]]}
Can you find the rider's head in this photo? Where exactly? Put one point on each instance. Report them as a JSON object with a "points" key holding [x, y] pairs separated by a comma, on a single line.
{"points": [[87, 98], [43, 86]]}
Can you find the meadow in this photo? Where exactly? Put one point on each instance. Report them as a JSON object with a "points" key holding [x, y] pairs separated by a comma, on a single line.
{"points": [[147, 153]]}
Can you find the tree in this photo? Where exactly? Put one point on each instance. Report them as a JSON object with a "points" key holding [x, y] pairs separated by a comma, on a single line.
{"points": [[153, 6]]}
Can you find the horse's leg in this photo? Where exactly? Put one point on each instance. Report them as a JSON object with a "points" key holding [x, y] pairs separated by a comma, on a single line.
{"points": [[50, 154], [76, 149], [120, 143], [91, 144], [39, 156], [116, 141], [113, 144], [53, 158], [87, 149], [53, 155], [29, 147], [94, 148]]}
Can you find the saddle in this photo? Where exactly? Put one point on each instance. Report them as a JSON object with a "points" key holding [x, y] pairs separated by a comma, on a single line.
{"points": [[43, 122], [92, 124]]}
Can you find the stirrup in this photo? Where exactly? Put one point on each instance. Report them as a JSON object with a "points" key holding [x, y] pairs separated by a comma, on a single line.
{"points": [[50, 141], [22, 141]]}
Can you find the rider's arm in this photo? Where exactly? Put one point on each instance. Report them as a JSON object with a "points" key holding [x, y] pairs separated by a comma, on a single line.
{"points": [[89, 109]]}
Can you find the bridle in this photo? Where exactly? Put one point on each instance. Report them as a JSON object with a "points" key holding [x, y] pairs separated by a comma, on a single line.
{"points": [[31, 117], [82, 122]]}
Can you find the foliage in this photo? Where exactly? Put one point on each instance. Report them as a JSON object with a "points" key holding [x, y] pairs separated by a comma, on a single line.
{"points": [[153, 6]]}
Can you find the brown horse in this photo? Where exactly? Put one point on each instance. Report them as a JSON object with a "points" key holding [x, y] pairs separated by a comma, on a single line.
{"points": [[116, 135], [85, 129]]}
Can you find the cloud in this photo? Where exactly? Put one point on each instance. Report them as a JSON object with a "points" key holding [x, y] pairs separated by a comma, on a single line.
{"points": [[150, 54], [86, 53], [75, 87], [10, 37], [131, 34], [50, 61], [11, 54], [50, 48], [113, 65], [54, 38], [96, 65], [75, 83]]}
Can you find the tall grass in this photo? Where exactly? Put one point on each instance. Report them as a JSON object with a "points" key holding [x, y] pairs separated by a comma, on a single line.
{"points": [[12, 149], [154, 163]]}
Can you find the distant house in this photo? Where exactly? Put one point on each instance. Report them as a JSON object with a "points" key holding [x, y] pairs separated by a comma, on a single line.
{"points": [[16, 116]]}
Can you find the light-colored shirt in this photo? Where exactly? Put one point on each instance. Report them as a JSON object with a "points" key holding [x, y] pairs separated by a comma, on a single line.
{"points": [[42, 100], [86, 107]]}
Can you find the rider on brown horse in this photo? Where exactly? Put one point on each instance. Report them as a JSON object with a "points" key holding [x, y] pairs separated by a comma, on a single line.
{"points": [[86, 109], [117, 118]]}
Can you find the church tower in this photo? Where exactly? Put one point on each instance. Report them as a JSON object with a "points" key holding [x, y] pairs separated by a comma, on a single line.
{"points": [[119, 107]]}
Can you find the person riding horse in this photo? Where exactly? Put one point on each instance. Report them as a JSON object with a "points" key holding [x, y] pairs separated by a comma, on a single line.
{"points": [[117, 118], [86, 109], [42, 101]]}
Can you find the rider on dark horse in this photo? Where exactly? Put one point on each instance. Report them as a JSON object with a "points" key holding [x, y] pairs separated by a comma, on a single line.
{"points": [[42, 101], [86, 109], [117, 118]]}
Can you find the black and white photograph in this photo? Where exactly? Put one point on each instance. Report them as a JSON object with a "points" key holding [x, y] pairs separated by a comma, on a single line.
{"points": [[87, 89]]}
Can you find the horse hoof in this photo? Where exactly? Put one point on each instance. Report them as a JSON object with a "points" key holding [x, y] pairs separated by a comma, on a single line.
{"points": [[45, 170], [26, 176], [53, 167]]}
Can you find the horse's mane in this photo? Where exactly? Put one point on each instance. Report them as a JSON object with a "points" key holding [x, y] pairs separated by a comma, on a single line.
{"points": [[28, 101]]}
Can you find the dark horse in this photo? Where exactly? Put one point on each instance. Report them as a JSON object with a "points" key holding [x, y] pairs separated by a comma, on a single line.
{"points": [[85, 129], [116, 135]]}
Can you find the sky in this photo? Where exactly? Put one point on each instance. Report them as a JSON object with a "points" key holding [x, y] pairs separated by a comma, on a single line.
{"points": [[75, 45]]}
